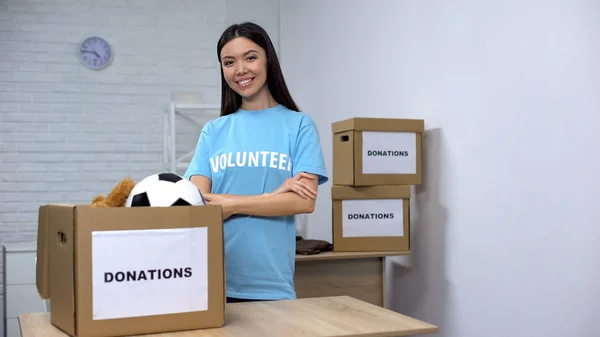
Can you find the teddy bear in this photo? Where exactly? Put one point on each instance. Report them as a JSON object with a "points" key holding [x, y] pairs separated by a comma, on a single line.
{"points": [[117, 197]]}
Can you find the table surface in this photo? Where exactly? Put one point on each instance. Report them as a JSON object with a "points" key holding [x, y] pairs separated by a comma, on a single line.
{"points": [[339, 316], [347, 255]]}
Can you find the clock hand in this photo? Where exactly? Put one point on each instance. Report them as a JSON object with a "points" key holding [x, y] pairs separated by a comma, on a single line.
{"points": [[91, 51]]}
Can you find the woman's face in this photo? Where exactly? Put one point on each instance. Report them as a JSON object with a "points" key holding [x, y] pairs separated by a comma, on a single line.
{"points": [[244, 66]]}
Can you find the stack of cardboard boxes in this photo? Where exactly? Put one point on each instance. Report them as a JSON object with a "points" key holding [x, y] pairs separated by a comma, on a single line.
{"points": [[375, 163]]}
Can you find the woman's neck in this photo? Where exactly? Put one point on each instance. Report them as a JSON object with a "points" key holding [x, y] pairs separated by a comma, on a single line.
{"points": [[260, 101]]}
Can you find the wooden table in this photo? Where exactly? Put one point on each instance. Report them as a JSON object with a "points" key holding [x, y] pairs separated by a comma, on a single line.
{"points": [[360, 275], [340, 316]]}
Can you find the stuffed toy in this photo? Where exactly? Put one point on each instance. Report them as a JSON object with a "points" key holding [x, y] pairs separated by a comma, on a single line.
{"points": [[117, 197]]}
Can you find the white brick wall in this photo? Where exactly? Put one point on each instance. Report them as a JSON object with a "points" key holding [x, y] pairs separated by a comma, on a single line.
{"points": [[66, 133]]}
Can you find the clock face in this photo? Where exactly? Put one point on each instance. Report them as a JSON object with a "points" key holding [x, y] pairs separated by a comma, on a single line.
{"points": [[95, 53]]}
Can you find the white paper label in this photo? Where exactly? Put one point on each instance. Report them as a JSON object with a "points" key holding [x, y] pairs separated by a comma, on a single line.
{"points": [[389, 152], [373, 217], [149, 272]]}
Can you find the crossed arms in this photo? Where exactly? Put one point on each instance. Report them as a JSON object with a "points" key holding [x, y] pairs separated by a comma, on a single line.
{"points": [[295, 196]]}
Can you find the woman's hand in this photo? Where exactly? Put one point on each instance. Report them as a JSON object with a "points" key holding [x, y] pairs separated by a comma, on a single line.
{"points": [[226, 201], [295, 185]]}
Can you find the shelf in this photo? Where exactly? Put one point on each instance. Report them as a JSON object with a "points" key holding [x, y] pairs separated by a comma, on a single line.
{"points": [[200, 106], [177, 109], [181, 166], [347, 255]]}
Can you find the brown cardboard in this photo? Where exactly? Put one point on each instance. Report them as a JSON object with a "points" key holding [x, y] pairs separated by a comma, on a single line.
{"points": [[41, 267], [377, 194], [67, 235], [348, 160]]}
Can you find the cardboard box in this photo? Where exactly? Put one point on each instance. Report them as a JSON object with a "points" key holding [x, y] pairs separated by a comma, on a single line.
{"points": [[42, 263], [371, 218], [129, 271], [377, 151]]}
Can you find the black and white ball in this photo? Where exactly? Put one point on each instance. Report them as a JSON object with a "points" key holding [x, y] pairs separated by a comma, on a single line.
{"points": [[164, 190]]}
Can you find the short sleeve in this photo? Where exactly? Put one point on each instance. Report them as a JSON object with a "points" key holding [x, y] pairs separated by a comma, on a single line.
{"points": [[308, 155], [200, 163]]}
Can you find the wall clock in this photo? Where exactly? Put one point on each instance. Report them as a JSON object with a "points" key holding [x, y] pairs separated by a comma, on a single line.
{"points": [[95, 53]]}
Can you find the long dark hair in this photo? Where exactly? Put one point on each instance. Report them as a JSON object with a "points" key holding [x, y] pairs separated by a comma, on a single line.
{"points": [[231, 100]]}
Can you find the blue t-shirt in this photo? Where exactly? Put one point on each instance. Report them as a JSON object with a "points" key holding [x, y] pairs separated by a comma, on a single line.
{"points": [[251, 153]]}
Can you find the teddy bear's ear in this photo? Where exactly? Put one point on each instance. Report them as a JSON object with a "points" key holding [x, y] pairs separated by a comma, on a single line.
{"points": [[102, 204], [99, 201], [119, 194]]}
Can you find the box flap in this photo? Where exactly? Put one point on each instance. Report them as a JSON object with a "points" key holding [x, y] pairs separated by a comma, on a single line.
{"points": [[379, 124], [41, 266], [370, 192], [60, 242]]}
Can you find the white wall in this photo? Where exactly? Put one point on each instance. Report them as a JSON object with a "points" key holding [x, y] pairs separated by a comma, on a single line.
{"points": [[505, 225], [68, 134], [263, 12]]}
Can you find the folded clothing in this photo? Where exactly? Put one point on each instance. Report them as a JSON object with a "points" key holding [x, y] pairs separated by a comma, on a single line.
{"points": [[309, 247]]}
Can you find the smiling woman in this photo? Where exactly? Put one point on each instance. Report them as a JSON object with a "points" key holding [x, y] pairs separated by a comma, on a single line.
{"points": [[254, 78], [261, 160], [247, 55]]}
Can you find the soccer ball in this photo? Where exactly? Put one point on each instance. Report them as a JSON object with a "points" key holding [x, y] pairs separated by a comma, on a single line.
{"points": [[164, 190]]}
